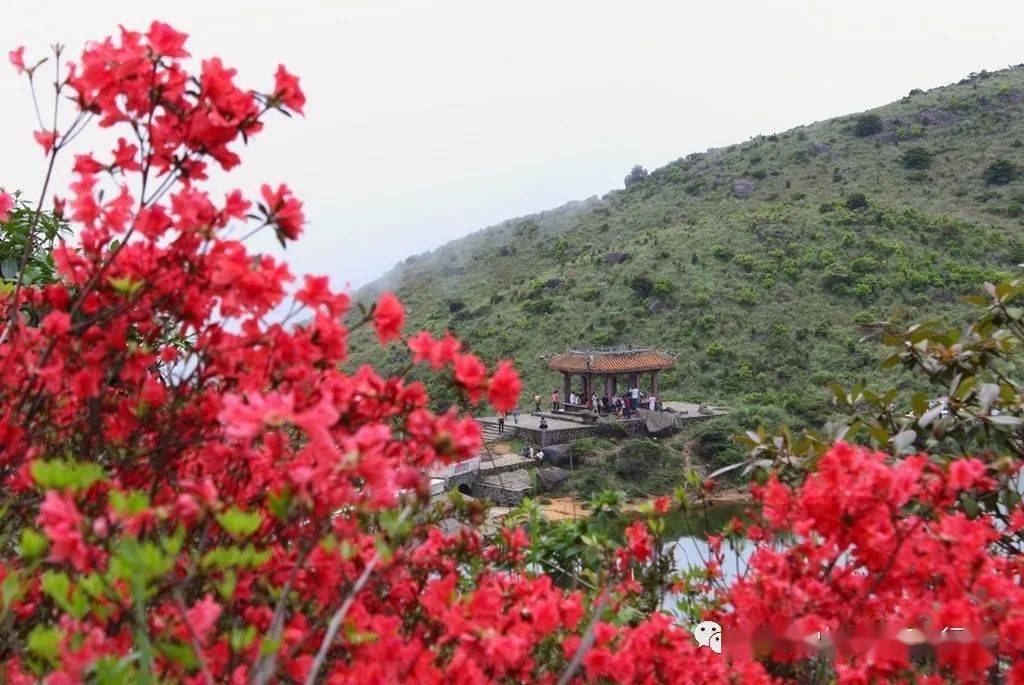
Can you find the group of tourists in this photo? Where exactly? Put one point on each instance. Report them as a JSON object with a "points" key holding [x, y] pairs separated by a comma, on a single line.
{"points": [[624, 404]]}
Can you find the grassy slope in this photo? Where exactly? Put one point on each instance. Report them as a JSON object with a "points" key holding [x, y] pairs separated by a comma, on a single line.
{"points": [[761, 297]]}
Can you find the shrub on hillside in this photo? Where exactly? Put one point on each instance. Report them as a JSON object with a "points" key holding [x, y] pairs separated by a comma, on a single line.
{"points": [[867, 125], [916, 158], [662, 286], [713, 444], [855, 201], [543, 305], [836, 276], [722, 252], [635, 458], [635, 175], [1000, 172]]}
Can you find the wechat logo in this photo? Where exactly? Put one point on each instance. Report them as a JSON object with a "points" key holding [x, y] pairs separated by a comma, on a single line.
{"points": [[709, 634]]}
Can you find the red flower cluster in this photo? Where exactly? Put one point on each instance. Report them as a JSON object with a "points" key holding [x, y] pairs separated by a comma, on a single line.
{"points": [[194, 493], [884, 564]]}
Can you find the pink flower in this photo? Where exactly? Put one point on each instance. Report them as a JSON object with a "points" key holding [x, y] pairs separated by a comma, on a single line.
{"points": [[46, 138], [504, 388], [286, 89], [437, 353], [202, 617], [284, 210], [471, 374], [61, 521], [6, 205], [17, 58], [165, 41], [244, 420], [388, 318], [965, 474]]}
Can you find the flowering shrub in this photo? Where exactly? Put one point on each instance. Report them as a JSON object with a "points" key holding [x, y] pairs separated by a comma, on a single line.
{"points": [[192, 492]]}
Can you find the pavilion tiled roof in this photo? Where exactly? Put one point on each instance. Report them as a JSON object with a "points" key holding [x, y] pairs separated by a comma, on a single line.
{"points": [[611, 361]]}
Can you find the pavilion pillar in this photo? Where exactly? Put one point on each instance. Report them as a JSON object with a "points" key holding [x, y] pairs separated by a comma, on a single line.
{"points": [[654, 383], [633, 381], [566, 387], [609, 386], [586, 388]]}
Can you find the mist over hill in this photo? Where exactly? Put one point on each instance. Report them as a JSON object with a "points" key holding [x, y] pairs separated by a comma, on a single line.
{"points": [[758, 265]]}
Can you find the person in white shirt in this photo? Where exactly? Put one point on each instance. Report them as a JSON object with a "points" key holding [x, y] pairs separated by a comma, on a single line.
{"points": [[652, 401]]}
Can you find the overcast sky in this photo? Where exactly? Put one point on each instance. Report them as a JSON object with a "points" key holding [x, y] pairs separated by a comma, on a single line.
{"points": [[428, 120]]}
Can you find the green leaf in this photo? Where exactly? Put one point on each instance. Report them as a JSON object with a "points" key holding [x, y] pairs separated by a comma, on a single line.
{"points": [[10, 589], [172, 543], [128, 504], [1005, 421], [903, 441], [65, 474], [240, 523], [183, 655], [44, 642], [56, 585], [241, 638], [226, 586], [125, 285], [280, 503], [33, 544]]}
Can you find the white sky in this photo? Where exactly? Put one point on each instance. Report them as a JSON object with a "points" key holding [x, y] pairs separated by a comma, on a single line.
{"points": [[428, 120]]}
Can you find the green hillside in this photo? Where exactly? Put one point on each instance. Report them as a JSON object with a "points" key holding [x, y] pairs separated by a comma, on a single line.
{"points": [[758, 264]]}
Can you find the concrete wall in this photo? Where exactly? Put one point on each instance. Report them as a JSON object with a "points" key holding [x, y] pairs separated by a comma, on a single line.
{"points": [[559, 436], [497, 495]]}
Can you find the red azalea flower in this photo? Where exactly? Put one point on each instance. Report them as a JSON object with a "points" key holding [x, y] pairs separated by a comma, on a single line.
{"points": [[46, 138], [286, 89], [638, 540], [284, 210], [471, 374], [504, 388], [388, 318], [6, 205], [165, 41], [62, 522]]}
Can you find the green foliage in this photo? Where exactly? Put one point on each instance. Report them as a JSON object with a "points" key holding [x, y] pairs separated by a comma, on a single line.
{"points": [[25, 228], [916, 158], [856, 201], [801, 258], [66, 474], [722, 252], [1000, 172], [867, 125], [637, 457], [662, 286]]}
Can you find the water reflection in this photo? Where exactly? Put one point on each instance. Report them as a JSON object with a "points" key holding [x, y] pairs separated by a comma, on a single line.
{"points": [[687, 532]]}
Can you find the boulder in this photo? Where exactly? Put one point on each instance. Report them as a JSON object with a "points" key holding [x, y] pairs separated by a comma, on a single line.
{"points": [[553, 283], [742, 187], [660, 424], [818, 149], [549, 479], [656, 305], [617, 257], [556, 455]]}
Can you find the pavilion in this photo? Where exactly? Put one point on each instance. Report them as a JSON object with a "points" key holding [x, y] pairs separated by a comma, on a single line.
{"points": [[607, 365]]}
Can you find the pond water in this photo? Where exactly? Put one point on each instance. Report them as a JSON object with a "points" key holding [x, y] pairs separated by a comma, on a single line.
{"points": [[687, 531]]}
